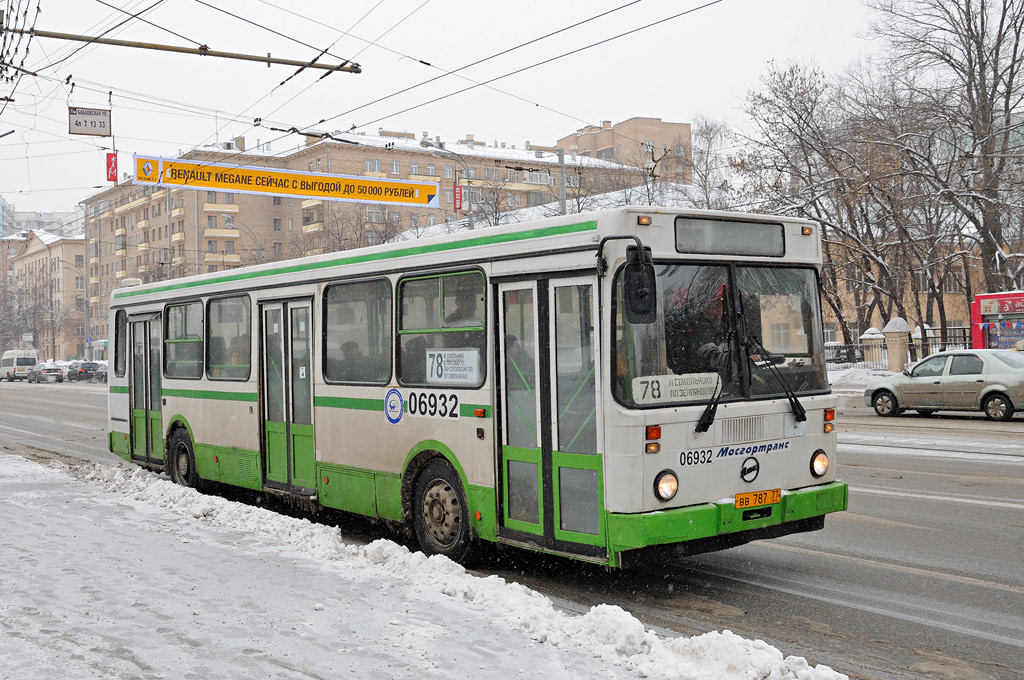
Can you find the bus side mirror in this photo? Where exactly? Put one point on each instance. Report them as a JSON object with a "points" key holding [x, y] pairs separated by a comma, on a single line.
{"points": [[639, 289]]}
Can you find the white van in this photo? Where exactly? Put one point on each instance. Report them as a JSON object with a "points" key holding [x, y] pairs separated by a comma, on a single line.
{"points": [[15, 363]]}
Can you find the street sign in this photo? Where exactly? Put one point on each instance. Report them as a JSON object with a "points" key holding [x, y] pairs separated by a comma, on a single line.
{"points": [[175, 172], [94, 122], [111, 167]]}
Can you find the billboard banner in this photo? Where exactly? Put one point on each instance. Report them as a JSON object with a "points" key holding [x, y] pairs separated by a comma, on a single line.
{"points": [[193, 174]]}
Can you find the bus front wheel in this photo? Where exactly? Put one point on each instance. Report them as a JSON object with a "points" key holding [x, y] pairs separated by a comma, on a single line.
{"points": [[440, 513], [182, 459]]}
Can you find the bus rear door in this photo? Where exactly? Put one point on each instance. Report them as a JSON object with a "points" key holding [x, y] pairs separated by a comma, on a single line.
{"points": [[145, 391]]}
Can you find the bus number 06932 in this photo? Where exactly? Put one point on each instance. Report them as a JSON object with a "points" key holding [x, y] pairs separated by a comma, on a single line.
{"points": [[433, 405]]}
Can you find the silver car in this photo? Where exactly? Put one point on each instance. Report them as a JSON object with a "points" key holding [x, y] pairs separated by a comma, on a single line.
{"points": [[986, 380]]}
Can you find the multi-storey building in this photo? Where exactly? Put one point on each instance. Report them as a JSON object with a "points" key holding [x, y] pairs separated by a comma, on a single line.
{"points": [[639, 142], [46, 295], [157, 233]]}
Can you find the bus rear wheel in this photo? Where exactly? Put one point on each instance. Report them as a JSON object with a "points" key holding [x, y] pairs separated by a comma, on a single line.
{"points": [[440, 512], [182, 459]]}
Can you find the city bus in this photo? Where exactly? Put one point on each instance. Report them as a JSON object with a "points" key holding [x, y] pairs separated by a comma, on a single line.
{"points": [[608, 386]]}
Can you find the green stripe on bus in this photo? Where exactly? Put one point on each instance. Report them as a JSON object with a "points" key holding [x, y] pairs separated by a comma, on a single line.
{"points": [[372, 257], [119, 389], [356, 404], [353, 403], [210, 394]]}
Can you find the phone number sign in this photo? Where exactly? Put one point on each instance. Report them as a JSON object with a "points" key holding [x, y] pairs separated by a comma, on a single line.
{"points": [[95, 122]]}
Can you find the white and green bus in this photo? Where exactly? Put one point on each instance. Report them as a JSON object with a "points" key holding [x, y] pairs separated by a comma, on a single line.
{"points": [[601, 386]]}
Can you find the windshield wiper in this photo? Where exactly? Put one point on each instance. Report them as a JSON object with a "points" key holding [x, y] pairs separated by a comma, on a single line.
{"points": [[708, 416], [799, 413]]}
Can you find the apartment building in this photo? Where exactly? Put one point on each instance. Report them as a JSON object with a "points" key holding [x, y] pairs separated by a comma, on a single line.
{"points": [[157, 233], [638, 141], [46, 294]]}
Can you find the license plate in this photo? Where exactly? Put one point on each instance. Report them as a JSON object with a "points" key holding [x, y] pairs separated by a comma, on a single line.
{"points": [[755, 498]]}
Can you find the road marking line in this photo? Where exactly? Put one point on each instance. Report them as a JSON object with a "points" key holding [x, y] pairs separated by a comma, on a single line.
{"points": [[935, 497], [917, 571]]}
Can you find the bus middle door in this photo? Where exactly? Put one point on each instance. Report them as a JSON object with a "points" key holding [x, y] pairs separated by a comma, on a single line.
{"points": [[289, 453]]}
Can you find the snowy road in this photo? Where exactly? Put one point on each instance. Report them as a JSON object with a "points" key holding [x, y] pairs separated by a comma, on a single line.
{"points": [[921, 578]]}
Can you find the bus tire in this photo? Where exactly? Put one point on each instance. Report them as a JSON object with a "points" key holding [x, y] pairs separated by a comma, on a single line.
{"points": [[440, 512], [182, 459]]}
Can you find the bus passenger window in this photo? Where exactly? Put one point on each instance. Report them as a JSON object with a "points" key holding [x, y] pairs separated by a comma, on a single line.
{"points": [[357, 341], [443, 337], [183, 341], [228, 339]]}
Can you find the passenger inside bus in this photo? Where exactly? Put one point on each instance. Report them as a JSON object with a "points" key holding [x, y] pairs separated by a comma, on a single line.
{"points": [[700, 332], [353, 366]]}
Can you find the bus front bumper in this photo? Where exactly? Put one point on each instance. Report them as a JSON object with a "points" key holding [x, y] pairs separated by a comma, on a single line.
{"points": [[715, 526]]}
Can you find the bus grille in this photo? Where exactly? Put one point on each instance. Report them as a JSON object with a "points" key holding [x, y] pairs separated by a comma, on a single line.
{"points": [[751, 429]]}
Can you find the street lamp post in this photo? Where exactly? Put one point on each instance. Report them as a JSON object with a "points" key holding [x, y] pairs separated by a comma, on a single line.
{"points": [[439, 149], [231, 221]]}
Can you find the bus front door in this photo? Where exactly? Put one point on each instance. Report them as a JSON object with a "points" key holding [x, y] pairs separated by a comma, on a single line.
{"points": [[145, 395], [289, 455], [551, 471]]}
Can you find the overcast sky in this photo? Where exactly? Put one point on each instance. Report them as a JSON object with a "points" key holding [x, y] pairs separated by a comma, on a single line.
{"points": [[701, 63]]}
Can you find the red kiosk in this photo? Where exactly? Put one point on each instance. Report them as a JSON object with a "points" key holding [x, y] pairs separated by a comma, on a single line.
{"points": [[997, 320]]}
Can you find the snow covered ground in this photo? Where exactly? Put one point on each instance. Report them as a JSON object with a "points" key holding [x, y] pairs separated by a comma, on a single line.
{"points": [[112, 571], [854, 380]]}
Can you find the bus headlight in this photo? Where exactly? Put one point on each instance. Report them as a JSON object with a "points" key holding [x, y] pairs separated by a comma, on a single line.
{"points": [[665, 485], [819, 463]]}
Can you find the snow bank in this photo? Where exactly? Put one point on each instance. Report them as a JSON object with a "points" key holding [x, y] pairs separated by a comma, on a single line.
{"points": [[855, 379], [607, 632]]}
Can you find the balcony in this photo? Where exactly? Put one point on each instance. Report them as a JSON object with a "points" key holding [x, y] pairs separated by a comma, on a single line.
{"points": [[143, 268], [178, 260], [311, 203], [177, 237], [220, 207], [177, 212], [143, 246], [158, 194], [94, 299], [120, 274], [142, 224], [120, 232], [94, 260], [217, 232], [131, 204], [121, 252], [315, 251], [312, 227], [94, 279], [222, 258]]}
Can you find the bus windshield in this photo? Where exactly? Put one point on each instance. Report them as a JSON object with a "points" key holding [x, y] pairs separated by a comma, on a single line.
{"points": [[740, 328]]}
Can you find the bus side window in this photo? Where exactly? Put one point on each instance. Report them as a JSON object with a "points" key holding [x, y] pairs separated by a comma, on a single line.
{"points": [[357, 342]]}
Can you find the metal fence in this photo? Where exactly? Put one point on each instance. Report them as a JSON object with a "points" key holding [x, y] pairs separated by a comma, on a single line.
{"points": [[876, 355]]}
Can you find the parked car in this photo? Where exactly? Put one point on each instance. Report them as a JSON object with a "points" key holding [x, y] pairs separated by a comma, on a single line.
{"points": [[986, 380], [81, 370], [101, 372], [45, 372]]}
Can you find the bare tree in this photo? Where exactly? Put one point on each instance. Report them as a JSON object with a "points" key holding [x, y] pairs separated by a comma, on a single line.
{"points": [[710, 162]]}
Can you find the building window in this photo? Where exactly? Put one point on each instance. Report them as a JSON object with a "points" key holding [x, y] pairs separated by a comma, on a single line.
{"points": [[278, 249], [229, 198], [414, 168], [79, 283], [211, 246], [79, 260], [229, 247], [372, 165], [414, 219], [449, 172], [318, 166], [211, 268], [396, 167], [449, 195], [211, 196], [277, 200], [431, 220], [277, 224], [211, 222], [430, 169]]}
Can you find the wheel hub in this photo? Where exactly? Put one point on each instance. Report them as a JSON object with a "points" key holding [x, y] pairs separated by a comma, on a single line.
{"points": [[442, 512]]}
